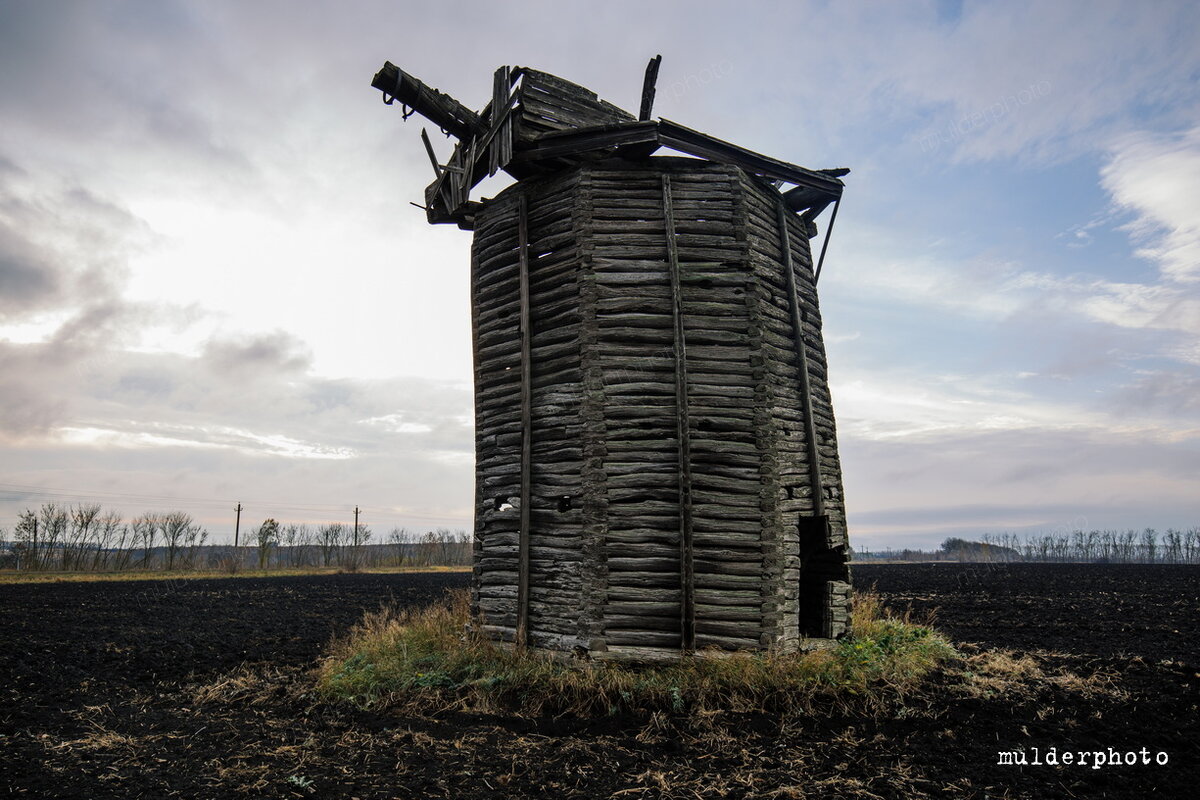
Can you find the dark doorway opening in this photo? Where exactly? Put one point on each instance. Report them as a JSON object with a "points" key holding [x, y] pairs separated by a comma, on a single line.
{"points": [[820, 565]]}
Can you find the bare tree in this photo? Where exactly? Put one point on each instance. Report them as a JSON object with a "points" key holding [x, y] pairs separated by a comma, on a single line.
{"points": [[77, 539], [1150, 545], [110, 536], [398, 539], [1172, 546], [289, 544], [52, 528], [353, 556], [194, 538], [145, 533], [305, 538], [330, 539], [123, 542], [178, 532]]}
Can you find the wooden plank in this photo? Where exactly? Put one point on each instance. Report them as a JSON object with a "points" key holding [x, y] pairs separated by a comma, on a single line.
{"points": [[526, 422], [693, 142], [687, 606], [574, 141], [648, 87], [437, 168], [495, 149], [806, 405]]}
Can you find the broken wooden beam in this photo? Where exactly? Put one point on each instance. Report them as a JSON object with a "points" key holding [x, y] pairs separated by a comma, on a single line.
{"points": [[440, 109], [648, 88]]}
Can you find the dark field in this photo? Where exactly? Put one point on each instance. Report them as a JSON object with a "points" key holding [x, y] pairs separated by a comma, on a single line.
{"points": [[199, 688]]}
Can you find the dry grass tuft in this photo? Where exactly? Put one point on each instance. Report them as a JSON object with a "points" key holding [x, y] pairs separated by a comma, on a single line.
{"points": [[993, 673], [245, 684], [422, 661], [1006, 673]]}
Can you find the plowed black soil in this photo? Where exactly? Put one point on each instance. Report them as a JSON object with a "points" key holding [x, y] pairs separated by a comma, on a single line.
{"points": [[199, 689]]}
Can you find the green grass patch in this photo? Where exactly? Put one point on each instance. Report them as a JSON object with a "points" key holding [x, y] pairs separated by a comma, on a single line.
{"points": [[422, 660]]}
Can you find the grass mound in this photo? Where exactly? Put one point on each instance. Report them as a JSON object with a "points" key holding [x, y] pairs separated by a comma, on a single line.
{"points": [[420, 660]]}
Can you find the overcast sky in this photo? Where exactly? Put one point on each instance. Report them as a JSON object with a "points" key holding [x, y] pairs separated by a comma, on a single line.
{"points": [[213, 288]]}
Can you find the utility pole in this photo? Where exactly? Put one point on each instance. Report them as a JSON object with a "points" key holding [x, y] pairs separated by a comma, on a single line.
{"points": [[356, 526], [237, 525]]}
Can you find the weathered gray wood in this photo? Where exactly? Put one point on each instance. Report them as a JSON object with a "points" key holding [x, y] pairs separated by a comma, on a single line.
{"points": [[526, 424], [648, 88], [606, 304], [814, 463], [440, 108]]}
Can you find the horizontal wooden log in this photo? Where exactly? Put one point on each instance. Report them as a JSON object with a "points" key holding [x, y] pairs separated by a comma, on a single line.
{"points": [[639, 622], [643, 638]]}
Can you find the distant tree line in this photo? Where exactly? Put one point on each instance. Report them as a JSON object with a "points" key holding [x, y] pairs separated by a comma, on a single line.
{"points": [[85, 537], [1146, 546]]}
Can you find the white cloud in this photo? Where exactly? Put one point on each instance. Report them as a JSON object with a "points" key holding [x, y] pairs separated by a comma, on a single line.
{"points": [[1036, 80], [217, 438], [395, 423], [984, 287], [1157, 178], [877, 406]]}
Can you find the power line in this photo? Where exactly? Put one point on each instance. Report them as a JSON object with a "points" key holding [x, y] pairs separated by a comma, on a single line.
{"points": [[382, 515]]}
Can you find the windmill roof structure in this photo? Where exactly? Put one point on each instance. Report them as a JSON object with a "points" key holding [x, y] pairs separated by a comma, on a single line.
{"points": [[538, 122]]}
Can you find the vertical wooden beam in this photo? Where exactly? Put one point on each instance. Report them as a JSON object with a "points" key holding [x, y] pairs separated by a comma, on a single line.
{"points": [[647, 106], [499, 118], [526, 425], [593, 573], [687, 581], [810, 427]]}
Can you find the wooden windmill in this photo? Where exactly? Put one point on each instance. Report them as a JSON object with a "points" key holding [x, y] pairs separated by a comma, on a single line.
{"points": [[656, 458]]}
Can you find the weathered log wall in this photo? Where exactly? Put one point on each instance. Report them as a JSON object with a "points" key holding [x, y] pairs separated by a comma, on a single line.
{"points": [[645, 419], [548, 103]]}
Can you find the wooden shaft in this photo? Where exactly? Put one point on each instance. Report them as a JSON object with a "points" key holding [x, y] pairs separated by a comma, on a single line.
{"points": [[440, 109], [806, 406], [526, 424], [687, 604]]}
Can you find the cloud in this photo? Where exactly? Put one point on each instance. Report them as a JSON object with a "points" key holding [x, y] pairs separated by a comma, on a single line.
{"points": [[32, 397], [1026, 479], [77, 82], [277, 352], [1155, 178], [240, 419], [990, 288], [1169, 392], [60, 245], [24, 283], [922, 409], [1033, 81]]}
